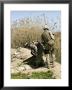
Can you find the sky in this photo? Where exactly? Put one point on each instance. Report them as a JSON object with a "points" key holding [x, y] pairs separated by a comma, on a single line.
{"points": [[50, 17]]}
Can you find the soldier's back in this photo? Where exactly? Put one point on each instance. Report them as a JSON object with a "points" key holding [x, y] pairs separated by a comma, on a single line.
{"points": [[48, 40], [45, 36]]}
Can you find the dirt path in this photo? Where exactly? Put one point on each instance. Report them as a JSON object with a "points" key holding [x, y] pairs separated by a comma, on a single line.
{"points": [[20, 55]]}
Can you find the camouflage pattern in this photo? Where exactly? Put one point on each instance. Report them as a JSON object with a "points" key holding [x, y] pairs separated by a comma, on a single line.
{"points": [[34, 49], [47, 38]]}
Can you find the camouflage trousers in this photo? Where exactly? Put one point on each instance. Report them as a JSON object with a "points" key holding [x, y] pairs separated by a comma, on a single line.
{"points": [[49, 60]]}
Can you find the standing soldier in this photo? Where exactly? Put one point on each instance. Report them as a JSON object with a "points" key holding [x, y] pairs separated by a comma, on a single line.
{"points": [[47, 38]]}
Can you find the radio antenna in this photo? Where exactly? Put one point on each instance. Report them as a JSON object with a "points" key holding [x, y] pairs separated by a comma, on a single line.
{"points": [[44, 19]]}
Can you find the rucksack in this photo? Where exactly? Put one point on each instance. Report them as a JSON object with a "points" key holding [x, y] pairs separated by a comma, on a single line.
{"points": [[48, 40]]}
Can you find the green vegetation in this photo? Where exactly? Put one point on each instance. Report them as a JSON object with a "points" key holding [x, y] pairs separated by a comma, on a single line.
{"points": [[19, 76], [42, 75], [34, 75], [25, 33]]}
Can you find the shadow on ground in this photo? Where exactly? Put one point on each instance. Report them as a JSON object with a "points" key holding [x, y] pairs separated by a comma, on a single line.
{"points": [[34, 62]]}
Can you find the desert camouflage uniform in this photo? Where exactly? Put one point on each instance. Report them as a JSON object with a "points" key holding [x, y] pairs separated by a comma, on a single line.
{"points": [[33, 47], [47, 38]]}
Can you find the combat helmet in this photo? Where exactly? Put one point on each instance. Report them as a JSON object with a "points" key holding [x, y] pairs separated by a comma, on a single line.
{"points": [[46, 27]]}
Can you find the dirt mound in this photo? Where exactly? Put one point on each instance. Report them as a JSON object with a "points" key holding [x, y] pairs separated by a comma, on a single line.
{"points": [[20, 55]]}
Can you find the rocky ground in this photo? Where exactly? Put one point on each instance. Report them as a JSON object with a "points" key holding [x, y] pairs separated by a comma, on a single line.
{"points": [[18, 56]]}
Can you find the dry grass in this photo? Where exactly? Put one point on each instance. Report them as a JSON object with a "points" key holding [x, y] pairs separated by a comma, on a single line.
{"points": [[58, 46], [21, 36]]}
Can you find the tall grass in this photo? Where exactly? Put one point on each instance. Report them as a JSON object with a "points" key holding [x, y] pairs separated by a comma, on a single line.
{"points": [[58, 46], [20, 36]]}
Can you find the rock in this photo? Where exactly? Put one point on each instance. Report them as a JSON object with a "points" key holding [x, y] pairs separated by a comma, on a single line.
{"points": [[27, 67], [21, 53], [21, 69], [18, 66], [17, 57], [14, 71]]}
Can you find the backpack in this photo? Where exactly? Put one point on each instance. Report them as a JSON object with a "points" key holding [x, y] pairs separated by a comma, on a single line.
{"points": [[48, 40]]}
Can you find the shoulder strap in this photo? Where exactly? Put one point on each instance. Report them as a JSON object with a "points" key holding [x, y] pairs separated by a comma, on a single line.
{"points": [[51, 35]]}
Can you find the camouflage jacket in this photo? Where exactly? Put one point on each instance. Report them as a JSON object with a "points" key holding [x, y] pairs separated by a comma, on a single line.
{"points": [[47, 39]]}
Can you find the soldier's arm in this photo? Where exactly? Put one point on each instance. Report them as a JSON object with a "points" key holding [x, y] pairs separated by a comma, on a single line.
{"points": [[52, 35]]}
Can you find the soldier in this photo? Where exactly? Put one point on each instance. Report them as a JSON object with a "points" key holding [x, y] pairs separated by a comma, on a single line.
{"points": [[47, 38], [33, 47]]}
